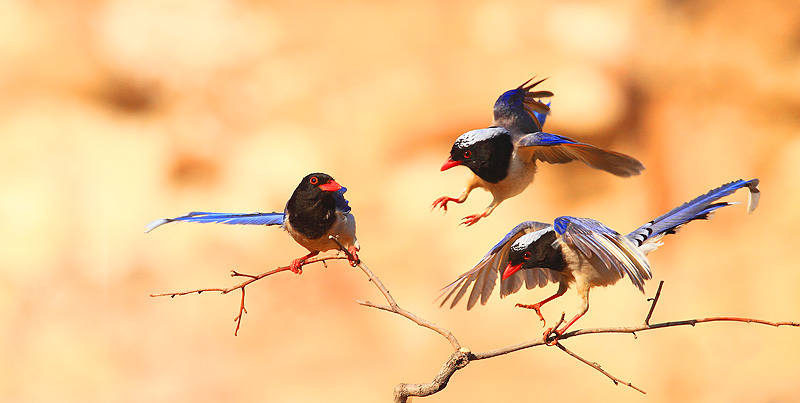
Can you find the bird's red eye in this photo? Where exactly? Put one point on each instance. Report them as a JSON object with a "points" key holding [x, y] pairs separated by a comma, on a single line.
{"points": [[314, 180], [526, 255], [467, 154]]}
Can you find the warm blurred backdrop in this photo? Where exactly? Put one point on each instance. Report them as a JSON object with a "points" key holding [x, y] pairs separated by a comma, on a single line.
{"points": [[115, 113]]}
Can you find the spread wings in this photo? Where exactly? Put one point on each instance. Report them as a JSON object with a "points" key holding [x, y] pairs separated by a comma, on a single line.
{"points": [[485, 274]]}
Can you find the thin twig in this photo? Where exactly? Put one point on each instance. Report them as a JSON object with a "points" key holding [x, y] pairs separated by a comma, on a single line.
{"points": [[251, 278], [653, 305], [393, 307], [596, 366]]}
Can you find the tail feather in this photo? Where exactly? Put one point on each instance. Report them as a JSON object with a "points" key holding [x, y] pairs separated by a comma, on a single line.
{"points": [[222, 218], [699, 208]]}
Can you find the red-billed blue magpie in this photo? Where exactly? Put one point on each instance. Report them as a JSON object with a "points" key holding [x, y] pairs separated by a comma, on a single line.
{"points": [[580, 251], [503, 157], [316, 209]]}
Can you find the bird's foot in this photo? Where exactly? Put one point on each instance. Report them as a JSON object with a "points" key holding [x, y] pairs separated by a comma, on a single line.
{"points": [[297, 265], [550, 332], [472, 219], [442, 202], [352, 256], [536, 307]]}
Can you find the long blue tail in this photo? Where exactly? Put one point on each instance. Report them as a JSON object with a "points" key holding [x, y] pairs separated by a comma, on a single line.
{"points": [[222, 218], [698, 208]]}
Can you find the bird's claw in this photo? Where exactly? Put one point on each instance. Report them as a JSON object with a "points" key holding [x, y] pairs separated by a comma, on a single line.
{"points": [[442, 203], [546, 335], [472, 219], [537, 308], [297, 265], [352, 256]]}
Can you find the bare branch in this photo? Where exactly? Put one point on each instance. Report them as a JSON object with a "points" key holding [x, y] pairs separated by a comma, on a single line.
{"points": [[463, 356], [596, 366], [459, 359], [394, 308], [251, 278]]}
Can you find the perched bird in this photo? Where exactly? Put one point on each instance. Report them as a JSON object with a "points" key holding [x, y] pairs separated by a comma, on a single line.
{"points": [[316, 210], [503, 157], [580, 251]]}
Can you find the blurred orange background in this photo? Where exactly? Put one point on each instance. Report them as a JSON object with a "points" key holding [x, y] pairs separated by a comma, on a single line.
{"points": [[115, 113]]}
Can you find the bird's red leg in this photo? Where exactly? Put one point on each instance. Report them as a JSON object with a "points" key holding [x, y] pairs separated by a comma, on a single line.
{"points": [[442, 202], [297, 265], [353, 257], [537, 306], [472, 219], [561, 331]]}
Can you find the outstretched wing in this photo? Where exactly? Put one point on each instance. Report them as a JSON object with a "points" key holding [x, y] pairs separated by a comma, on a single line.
{"points": [[485, 274], [616, 252], [555, 149], [222, 218], [699, 208]]}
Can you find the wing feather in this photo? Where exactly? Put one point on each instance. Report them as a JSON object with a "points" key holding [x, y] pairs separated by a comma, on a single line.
{"points": [[616, 252], [555, 149], [485, 274]]}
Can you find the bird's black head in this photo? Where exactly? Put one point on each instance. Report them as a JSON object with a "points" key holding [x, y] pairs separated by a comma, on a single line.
{"points": [[534, 250], [316, 183], [487, 152], [312, 207]]}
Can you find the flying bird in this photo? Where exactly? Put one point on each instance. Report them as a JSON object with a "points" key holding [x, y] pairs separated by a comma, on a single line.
{"points": [[316, 209], [580, 251], [503, 157]]}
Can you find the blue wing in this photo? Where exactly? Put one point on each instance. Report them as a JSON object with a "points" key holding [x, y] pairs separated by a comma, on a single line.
{"points": [[485, 274], [556, 149], [341, 203], [698, 208], [616, 252], [222, 218]]}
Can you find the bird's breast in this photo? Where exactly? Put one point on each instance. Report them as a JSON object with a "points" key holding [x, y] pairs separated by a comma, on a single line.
{"points": [[344, 227], [520, 176]]}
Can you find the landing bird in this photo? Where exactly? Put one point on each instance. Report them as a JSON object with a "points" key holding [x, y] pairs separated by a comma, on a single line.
{"points": [[316, 210], [503, 157], [580, 251]]}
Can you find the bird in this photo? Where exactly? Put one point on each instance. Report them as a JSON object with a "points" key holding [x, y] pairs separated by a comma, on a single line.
{"points": [[316, 210], [503, 156], [580, 251]]}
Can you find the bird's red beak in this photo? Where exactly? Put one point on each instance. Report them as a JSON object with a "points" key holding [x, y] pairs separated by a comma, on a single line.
{"points": [[449, 164], [331, 186], [510, 270]]}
